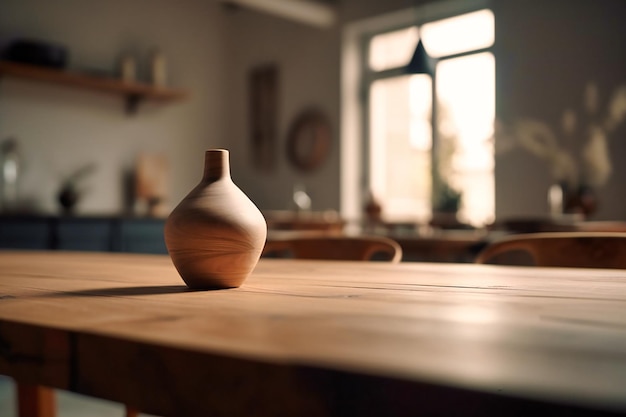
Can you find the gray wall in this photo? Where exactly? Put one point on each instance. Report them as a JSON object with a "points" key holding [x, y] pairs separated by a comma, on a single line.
{"points": [[545, 50], [307, 59]]}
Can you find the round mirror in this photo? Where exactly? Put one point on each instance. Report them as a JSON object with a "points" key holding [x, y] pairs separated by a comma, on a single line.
{"points": [[309, 140]]}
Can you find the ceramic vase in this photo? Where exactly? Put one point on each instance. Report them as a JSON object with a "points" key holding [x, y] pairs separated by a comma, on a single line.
{"points": [[216, 234]]}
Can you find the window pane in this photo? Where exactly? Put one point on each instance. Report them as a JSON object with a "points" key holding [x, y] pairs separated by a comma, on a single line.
{"points": [[401, 159], [462, 33], [400, 147], [392, 49], [466, 96]]}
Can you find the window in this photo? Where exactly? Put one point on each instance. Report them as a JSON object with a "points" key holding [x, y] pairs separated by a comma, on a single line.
{"points": [[407, 167]]}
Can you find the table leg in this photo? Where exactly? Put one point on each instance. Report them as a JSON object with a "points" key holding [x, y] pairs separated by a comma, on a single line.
{"points": [[35, 401], [131, 412]]}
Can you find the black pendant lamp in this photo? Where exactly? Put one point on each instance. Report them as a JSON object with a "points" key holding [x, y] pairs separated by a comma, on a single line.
{"points": [[421, 62]]}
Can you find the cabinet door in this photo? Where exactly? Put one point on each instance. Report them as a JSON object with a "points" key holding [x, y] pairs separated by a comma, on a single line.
{"points": [[84, 234], [25, 233], [142, 236]]}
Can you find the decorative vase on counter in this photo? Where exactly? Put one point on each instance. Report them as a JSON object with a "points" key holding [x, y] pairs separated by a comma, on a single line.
{"points": [[216, 234], [581, 201], [68, 197]]}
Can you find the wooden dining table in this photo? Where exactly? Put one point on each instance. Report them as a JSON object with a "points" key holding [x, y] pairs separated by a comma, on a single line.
{"points": [[317, 338]]}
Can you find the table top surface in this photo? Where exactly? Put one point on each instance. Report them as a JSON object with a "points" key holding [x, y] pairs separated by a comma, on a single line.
{"points": [[546, 335]]}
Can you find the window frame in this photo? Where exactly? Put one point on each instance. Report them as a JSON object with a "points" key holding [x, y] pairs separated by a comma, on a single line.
{"points": [[357, 78]]}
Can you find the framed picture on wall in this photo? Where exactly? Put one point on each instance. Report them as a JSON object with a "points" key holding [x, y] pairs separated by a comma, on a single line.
{"points": [[264, 116]]}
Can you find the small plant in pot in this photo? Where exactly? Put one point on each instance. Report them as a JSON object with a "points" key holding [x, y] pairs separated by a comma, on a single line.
{"points": [[446, 205], [448, 201]]}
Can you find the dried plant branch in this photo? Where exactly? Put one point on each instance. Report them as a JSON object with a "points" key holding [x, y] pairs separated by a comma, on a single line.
{"points": [[538, 138]]}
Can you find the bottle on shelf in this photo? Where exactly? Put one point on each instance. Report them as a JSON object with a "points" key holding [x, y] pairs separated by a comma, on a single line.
{"points": [[128, 68], [9, 174], [158, 69]]}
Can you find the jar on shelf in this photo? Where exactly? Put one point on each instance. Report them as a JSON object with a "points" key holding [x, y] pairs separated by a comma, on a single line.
{"points": [[158, 69], [128, 68]]}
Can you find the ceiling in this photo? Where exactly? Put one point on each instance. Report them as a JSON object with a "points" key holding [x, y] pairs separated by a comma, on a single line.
{"points": [[319, 13]]}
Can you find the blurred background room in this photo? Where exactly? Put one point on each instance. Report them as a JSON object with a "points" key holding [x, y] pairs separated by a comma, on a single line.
{"points": [[318, 106]]}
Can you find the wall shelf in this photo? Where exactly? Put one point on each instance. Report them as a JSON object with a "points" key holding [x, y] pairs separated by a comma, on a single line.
{"points": [[133, 92]]}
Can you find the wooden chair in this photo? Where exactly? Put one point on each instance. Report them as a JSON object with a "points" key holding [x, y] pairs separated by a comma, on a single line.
{"points": [[564, 249], [334, 247]]}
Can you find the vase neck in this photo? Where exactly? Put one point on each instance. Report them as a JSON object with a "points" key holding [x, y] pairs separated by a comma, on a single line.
{"points": [[216, 165]]}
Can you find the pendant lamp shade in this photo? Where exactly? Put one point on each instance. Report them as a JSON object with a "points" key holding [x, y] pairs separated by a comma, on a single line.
{"points": [[421, 62]]}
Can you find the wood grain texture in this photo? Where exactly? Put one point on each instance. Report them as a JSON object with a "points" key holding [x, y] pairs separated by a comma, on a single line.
{"points": [[216, 234], [33, 354], [326, 338], [564, 249], [335, 247]]}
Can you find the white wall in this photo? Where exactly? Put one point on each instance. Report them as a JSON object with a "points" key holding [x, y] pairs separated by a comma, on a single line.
{"points": [[59, 129]]}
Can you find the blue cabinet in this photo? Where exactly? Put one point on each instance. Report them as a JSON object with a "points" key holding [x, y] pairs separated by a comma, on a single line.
{"points": [[84, 234], [103, 234], [142, 236], [25, 233]]}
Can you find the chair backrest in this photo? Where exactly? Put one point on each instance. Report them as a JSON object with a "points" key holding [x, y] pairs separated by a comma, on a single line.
{"points": [[564, 249], [335, 247]]}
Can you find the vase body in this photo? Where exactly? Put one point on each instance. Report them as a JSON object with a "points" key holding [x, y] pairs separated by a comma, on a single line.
{"points": [[216, 234]]}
